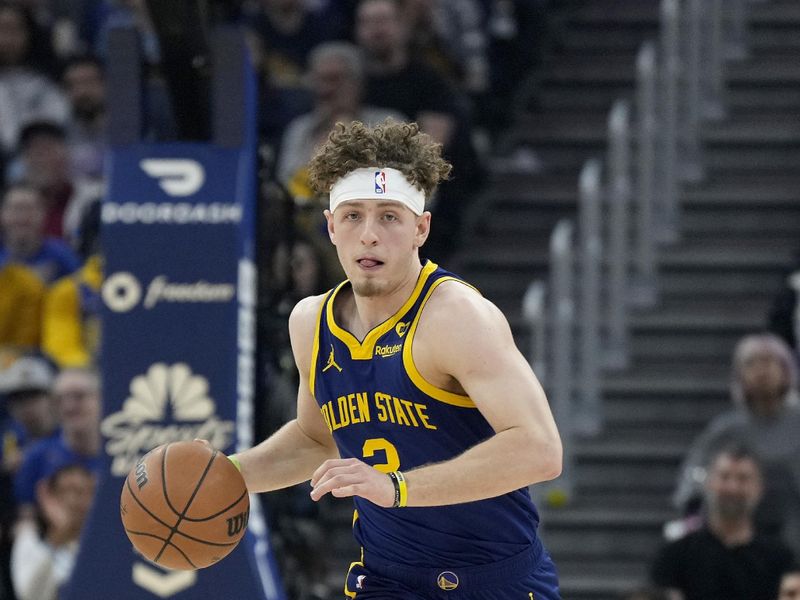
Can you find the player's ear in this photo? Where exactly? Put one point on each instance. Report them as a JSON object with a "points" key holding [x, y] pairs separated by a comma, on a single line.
{"points": [[329, 218], [423, 229]]}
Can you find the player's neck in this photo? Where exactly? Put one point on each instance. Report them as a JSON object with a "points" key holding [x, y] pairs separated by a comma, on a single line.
{"points": [[367, 312]]}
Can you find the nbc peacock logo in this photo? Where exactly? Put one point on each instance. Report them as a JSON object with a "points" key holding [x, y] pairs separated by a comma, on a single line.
{"points": [[169, 403]]}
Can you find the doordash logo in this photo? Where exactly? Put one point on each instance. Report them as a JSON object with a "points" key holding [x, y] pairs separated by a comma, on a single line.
{"points": [[176, 176]]}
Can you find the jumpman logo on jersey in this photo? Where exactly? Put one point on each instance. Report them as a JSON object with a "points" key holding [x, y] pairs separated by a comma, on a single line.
{"points": [[332, 362]]}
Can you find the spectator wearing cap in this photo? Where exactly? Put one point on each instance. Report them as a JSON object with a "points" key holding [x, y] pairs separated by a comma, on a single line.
{"points": [[25, 386], [77, 396], [22, 217], [25, 391], [42, 561]]}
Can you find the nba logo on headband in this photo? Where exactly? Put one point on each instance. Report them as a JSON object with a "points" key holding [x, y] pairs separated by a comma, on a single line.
{"points": [[380, 182]]}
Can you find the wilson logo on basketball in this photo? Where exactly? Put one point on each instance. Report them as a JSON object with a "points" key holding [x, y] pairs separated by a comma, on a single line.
{"points": [[237, 523], [141, 474], [165, 393]]}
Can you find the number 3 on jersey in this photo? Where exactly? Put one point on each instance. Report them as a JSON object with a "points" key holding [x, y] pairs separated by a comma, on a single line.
{"points": [[374, 445]]}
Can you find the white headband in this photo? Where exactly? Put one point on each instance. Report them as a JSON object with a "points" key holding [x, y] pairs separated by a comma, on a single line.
{"points": [[374, 183]]}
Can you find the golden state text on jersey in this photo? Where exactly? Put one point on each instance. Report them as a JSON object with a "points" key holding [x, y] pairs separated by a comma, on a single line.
{"points": [[381, 410]]}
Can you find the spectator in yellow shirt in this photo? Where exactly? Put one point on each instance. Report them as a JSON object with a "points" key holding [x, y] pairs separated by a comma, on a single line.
{"points": [[21, 293], [71, 314]]}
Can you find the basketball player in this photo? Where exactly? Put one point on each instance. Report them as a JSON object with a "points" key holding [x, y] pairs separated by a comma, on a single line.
{"points": [[413, 398]]}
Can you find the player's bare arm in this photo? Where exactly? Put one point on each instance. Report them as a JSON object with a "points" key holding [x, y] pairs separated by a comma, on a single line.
{"points": [[464, 344], [294, 452]]}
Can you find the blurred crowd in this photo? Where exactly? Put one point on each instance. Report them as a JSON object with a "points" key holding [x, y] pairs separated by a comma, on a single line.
{"points": [[450, 65]]}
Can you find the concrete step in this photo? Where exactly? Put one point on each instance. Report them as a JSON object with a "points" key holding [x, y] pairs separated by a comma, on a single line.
{"points": [[778, 13], [762, 69], [538, 220], [672, 283], [762, 130], [633, 449], [525, 255], [743, 221], [628, 37], [664, 409], [571, 96], [713, 383], [754, 283], [729, 189], [620, 495], [596, 518], [569, 157], [589, 130], [649, 479], [656, 347], [701, 319], [602, 586]]}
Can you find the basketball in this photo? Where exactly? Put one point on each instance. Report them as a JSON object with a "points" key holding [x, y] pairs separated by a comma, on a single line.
{"points": [[184, 506]]}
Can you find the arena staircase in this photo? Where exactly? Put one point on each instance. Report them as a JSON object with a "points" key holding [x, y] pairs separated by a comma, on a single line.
{"points": [[740, 228]]}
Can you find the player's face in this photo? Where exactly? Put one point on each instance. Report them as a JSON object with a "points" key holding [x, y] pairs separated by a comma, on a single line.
{"points": [[733, 486], [790, 587], [377, 244]]}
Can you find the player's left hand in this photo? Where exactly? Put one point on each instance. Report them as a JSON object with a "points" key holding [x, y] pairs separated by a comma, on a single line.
{"points": [[344, 477]]}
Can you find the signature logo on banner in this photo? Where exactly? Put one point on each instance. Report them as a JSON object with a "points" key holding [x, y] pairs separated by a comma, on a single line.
{"points": [[167, 404], [176, 176]]}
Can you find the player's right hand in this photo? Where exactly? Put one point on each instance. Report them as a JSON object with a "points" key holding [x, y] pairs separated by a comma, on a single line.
{"points": [[344, 477]]}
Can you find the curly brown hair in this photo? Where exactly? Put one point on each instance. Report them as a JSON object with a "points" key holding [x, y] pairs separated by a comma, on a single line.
{"points": [[390, 144]]}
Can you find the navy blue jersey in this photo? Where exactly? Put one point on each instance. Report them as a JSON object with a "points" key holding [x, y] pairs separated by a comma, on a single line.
{"points": [[381, 410]]}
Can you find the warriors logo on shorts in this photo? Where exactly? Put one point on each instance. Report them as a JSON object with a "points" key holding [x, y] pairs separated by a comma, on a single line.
{"points": [[447, 580]]}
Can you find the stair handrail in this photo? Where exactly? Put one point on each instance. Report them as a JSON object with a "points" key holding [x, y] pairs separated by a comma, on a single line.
{"points": [[535, 315], [714, 104], [644, 282], [691, 154], [590, 416], [619, 196], [560, 375], [667, 213], [736, 47]]}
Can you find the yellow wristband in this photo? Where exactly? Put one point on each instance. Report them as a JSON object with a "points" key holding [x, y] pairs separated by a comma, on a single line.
{"points": [[235, 462], [400, 489], [401, 482]]}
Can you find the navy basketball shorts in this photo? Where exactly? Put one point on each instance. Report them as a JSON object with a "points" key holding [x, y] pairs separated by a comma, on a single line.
{"points": [[530, 575]]}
